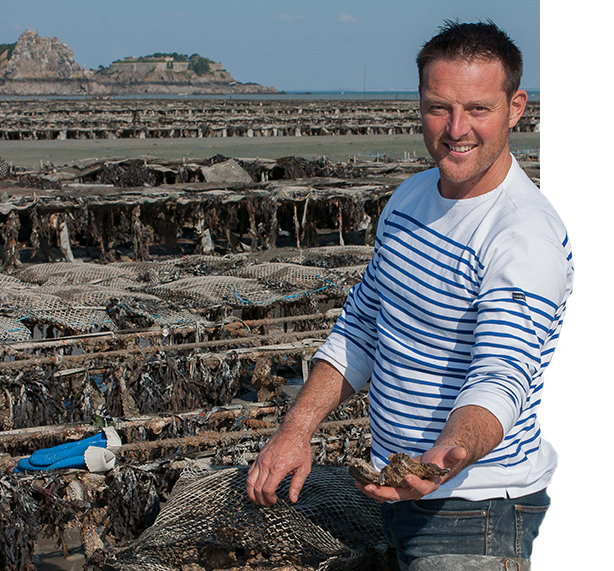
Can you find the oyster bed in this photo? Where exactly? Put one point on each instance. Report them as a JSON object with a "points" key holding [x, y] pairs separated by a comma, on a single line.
{"points": [[180, 302]]}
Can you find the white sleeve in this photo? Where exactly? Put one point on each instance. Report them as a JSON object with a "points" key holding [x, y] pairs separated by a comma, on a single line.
{"points": [[521, 304]]}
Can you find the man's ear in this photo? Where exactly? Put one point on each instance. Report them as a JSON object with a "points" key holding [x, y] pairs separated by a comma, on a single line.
{"points": [[517, 106]]}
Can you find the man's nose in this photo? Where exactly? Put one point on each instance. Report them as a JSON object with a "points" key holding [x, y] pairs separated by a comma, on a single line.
{"points": [[458, 125]]}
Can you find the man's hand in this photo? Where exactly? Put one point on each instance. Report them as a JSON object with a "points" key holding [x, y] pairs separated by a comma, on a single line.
{"points": [[281, 456], [289, 450], [450, 457]]}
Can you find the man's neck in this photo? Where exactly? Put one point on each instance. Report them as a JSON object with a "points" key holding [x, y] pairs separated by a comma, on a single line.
{"points": [[482, 184]]}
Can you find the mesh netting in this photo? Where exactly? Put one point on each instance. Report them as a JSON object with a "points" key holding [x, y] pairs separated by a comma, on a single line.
{"points": [[349, 272], [96, 296], [11, 281], [86, 296], [136, 303], [66, 273], [13, 330], [321, 256], [137, 267], [360, 253], [209, 291], [279, 272], [591, 236], [34, 305], [334, 526]]}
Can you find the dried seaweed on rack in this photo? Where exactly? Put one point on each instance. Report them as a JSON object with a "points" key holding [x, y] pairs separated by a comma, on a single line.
{"points": [[34, 181], [172, 382], [87, 402], [57, 509], [357, 406], [36, 399], [133, 502], [126, 175], [19, 524]]}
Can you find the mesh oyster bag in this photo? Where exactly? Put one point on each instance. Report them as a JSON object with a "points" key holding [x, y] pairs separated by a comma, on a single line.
{"points": [[332, 526]]}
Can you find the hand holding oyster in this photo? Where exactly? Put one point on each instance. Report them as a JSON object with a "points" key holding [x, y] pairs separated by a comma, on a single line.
{"points": [[393, 475]]}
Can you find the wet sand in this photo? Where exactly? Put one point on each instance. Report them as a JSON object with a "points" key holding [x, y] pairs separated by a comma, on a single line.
{"points": [[29, 154], [51, 558]]}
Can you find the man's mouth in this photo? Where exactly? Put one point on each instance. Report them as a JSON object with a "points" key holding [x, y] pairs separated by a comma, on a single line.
{"points": [[460, 148]]}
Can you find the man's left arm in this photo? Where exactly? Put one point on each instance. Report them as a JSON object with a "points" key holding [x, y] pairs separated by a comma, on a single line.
{"points": [[520, 309], [470, 433]]}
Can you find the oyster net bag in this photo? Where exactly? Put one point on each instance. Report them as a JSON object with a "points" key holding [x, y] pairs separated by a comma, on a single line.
{"points": [[147, 306], [13, 330], [48, 308], [67, 273], [299, 276], [332, 526], [11, 281], [272, 286]]}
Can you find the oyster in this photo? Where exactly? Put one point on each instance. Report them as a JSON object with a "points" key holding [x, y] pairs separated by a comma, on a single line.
{"points": [[399, 466]]}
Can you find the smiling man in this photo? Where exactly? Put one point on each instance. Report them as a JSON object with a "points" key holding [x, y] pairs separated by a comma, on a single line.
{"points": [[454, 324], [466, 120]]}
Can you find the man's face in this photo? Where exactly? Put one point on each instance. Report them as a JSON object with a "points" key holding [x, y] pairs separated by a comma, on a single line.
{"points": [[466, 119]]}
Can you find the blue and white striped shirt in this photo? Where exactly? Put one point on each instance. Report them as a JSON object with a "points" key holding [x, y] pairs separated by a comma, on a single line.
{"points": [[462, 304]]}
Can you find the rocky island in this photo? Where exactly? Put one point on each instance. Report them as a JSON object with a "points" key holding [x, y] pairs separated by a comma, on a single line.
{"points": [[37, 65]]}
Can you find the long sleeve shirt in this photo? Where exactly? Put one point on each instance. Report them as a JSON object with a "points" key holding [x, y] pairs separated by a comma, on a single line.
{"points": [[462, 304]]}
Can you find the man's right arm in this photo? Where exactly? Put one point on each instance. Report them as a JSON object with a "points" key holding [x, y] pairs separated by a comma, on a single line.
{"points": [[289, 450], [343, 366]]}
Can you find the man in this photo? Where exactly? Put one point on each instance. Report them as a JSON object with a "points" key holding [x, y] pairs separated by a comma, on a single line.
{"points": [[455, 321]]}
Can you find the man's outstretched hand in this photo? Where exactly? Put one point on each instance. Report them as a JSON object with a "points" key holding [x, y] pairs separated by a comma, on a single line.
{"points": [[450, 457], [281, 456]]}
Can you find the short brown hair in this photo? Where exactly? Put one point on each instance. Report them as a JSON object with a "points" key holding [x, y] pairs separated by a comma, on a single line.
{"points": [[470, 41]]}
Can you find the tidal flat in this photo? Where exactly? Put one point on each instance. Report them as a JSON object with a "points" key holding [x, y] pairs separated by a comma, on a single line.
{"points": [[29, 154]]}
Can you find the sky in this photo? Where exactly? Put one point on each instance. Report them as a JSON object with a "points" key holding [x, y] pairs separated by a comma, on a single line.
{"points": [[319, 45]]}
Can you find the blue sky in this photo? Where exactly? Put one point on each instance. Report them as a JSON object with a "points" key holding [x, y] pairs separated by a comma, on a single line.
{"points": [[290, 44]]}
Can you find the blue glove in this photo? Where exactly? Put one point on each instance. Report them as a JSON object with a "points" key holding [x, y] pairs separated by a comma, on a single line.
{"points": [[94, 459], [48, 456], [75, 454]]}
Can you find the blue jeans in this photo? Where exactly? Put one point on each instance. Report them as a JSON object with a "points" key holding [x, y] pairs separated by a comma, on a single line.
{"points": [[499, 527]]}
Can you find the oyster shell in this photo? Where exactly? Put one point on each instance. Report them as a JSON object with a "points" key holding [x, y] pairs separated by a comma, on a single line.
{"points": [[399, 466]]}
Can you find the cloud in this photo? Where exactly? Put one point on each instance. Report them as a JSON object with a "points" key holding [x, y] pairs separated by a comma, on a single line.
{"points": [[346, 18], [290, 17]]}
